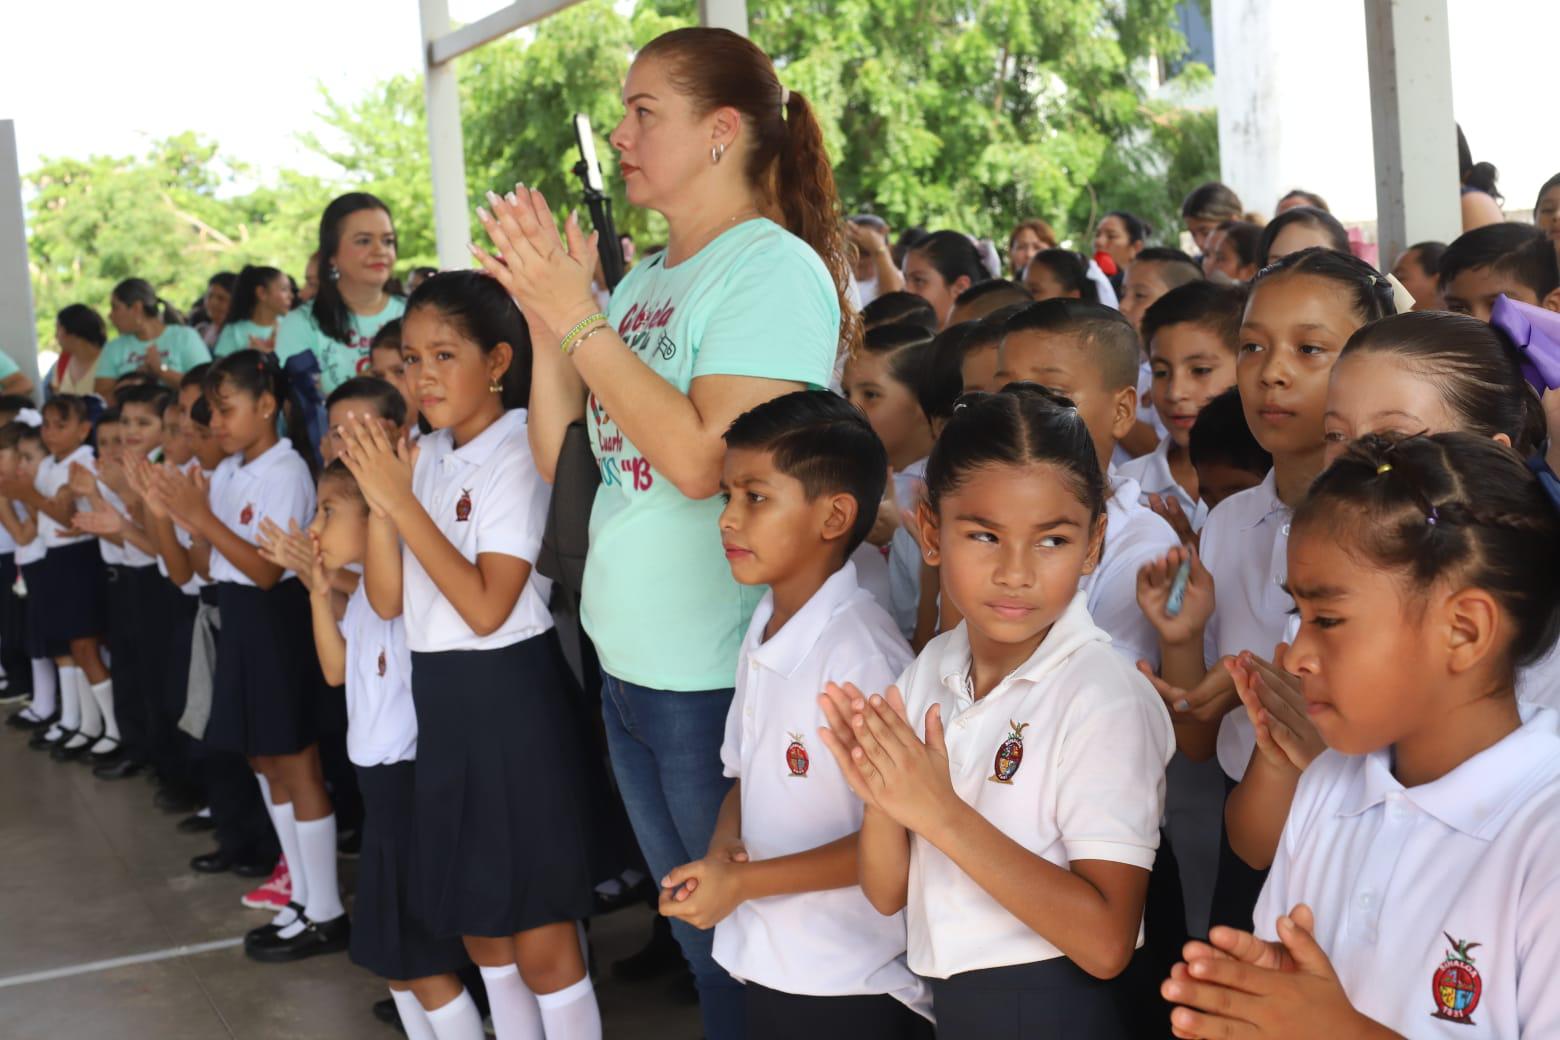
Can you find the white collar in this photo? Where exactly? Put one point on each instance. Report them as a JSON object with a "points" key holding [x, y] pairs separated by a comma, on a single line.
{"points": [[480, 448], [272, 455], [1264, 502], [784, 651], [1477, 797], [1073, 629]]}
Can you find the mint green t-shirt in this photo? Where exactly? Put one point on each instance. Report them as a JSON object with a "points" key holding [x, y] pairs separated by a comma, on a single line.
{"points": [[235, 336], [338, 361], [180, 346], [8, 368], [659, 600]]}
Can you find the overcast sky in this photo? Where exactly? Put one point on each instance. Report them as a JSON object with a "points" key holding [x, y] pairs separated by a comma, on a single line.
{"points": [[107, 76]]}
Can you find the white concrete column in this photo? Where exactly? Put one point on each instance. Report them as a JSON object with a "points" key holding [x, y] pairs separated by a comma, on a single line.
{"points": [[1414, 133], [724, 14], [446, 147], [18, 337]]}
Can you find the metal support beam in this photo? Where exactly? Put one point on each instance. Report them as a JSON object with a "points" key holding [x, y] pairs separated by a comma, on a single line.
{"points": [[446, 145], [1410, 57], [18, 337], [725, 14], [445, 46]]}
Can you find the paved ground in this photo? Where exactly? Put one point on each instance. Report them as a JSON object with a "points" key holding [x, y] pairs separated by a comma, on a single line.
{"points": [[106, 932]]}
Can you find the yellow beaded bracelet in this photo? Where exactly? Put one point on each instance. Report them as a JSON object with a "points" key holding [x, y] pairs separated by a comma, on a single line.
{"points": [[572, 340]]}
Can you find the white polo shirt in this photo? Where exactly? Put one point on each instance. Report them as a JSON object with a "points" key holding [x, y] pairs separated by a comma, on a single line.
{"points": [[196, 582], [794, 799], [486, 497], [275, 485], [1134, 535], [129, 553], [381, 723], [52, 475], [1399, 876], [1066, 756], [1245, 546], [1152, 473]]}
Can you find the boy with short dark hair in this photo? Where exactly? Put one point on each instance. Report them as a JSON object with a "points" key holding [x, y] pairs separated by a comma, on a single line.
{"points": [[802, 479], [1089, 353], [1193, 338], [1516, 260]]}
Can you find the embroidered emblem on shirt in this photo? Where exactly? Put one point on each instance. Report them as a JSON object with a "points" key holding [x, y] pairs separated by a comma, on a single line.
{"points": [[1010, 755], [796, 758], [1456, 985], [463, 507], [381, 662], [248, 514]]}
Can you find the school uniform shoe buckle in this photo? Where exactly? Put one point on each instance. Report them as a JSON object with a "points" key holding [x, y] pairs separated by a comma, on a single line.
{"points": [[332, 936]]}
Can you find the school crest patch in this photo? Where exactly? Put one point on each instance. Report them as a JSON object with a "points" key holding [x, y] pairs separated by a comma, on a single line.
{"points": [[1010, 755], [796, 757], [463, 507], [248, 514], [1456, 985]]}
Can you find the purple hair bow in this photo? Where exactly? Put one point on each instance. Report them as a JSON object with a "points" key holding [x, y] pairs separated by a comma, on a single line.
{"points": [[1536, 332]]}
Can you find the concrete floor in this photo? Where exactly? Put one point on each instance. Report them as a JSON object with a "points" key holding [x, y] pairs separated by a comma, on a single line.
{"points": [[106, 932]]}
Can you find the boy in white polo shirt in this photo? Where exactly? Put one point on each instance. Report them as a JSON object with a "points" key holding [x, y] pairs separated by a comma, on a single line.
{"points": [[802, 478], [1416, 889]]}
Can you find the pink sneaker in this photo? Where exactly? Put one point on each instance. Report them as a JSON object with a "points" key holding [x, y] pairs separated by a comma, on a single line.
{"points": [[275, 893]]}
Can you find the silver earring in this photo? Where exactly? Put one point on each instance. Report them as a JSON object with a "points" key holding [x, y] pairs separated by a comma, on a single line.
{"points": [[334, 274], [716, 152]]}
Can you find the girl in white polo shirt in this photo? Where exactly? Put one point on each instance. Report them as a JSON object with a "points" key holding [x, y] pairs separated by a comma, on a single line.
{"points": [[456, 525], [1415, 888], [267, 686], [1014, 793], [368, 654]]}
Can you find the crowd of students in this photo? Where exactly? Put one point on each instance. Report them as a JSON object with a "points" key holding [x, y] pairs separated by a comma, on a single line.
{"points": [[1144, 644]]}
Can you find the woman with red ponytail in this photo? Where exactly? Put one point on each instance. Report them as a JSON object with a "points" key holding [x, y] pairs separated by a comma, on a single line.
{"points": [[745, 304]]}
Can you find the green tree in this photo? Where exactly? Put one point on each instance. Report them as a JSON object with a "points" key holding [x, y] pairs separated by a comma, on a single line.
{"points": [[949, 114], [160, 216]]}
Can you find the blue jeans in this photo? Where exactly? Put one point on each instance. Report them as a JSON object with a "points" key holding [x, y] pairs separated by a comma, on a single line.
{"points": [[665, 748]]}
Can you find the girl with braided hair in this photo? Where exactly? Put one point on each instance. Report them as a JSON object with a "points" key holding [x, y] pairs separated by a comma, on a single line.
{"points": [[1416, 876]]}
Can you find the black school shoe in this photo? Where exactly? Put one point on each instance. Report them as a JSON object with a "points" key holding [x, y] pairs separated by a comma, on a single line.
{"points": [[25, 720], [316, 938], [61, 753], [40, 740], [267, 931]]}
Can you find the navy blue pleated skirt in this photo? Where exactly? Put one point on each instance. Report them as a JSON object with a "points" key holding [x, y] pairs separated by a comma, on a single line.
{"points": [[389, 937], [265, 695], [502, 832], [71, 595]]}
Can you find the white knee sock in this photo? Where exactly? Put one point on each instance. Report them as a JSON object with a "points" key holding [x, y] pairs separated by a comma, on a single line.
{"points": [[414, 1021], [317, 851], [103, 695], [70, 705], [516, 1015], [45, 697], [571, 1013], [457, 1020], [91, 714], [287, 835]]}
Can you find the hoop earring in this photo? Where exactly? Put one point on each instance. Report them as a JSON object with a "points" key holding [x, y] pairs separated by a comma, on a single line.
{"points": [[716, 152]]}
